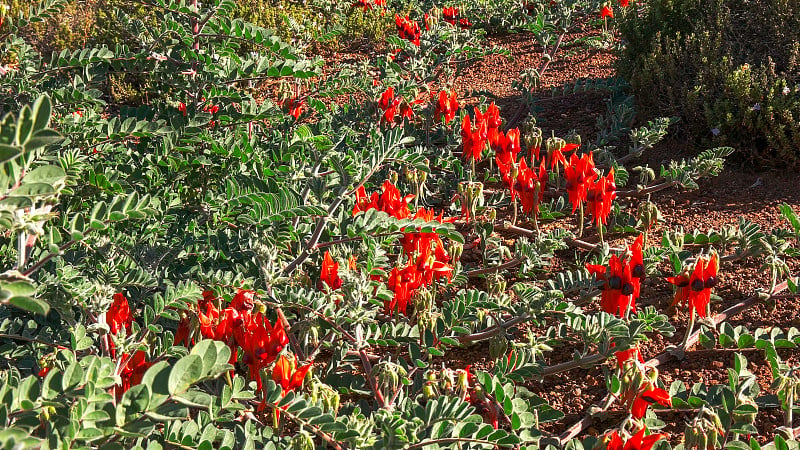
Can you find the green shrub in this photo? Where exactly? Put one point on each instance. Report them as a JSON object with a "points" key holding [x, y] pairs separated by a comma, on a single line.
{"points": [[729, 68], [87, 23]]}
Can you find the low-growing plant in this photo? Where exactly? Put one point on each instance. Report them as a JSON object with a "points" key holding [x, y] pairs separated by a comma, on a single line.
{"points": [[259, 250]]}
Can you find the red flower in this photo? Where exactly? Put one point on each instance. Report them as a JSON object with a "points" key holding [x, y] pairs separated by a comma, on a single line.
{"points": [[579, 175], [390, 201], [330, 274], [119, 314], [295, 108], [649, 396], [213, 109], [407, 29], [606, 12], [600, 198], [624, 3], [530, 187], [618, 288], [506, 154], [365, 4], [403, 283], [464, 23], [637, 442], [695, 291], [182, 108], [287, 375], [446, 106], [493, 122], [132, 373], [631, 354], [261, 342], [391, 105], [450, 15], [474, 141], [636, 263], [682, 289], [558, 159]]}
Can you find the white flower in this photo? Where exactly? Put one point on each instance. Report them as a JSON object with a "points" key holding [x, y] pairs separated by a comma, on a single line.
{"points": [[786, 90], [756, 107], [715, 131]]}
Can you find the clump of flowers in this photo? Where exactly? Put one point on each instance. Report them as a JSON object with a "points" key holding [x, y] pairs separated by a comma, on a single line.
{"points": [[394, 107], [329, 276], [450, 15], [530, 186], [425, 254], [131, 368], [599, 199], [621, 280], [485, 130], [237, 325], [694, 291], [389, 201], [636, 442], [579, 175], [408, 29], [474, 137], [446, 106], [293, 107]]}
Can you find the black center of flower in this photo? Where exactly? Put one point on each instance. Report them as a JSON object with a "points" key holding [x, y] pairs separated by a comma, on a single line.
{"points": [[615, 282], [627, 289], [711, 282], [590, 196], [698, 285], [638, 271]]}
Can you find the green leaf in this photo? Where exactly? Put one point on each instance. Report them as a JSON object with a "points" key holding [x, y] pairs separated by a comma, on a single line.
{"points": [[45, 174], [215, 356], [157, 380], [187, 371], [73, 375], [133, 403], [42, 138], [42, 111], [9, 152], [29, 304]]}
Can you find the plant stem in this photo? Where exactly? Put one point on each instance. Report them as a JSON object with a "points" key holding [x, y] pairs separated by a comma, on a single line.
{"points": [[685, 341], [788, 419], [21, 250], [580, 219]]}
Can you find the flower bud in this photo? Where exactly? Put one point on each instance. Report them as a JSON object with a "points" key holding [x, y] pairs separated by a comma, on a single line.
{"points": [[447, 380], [648, 213], [497, 284], [456, 250], [393, 177], [573, 138], [411, 175], [429, 391], [498, 345], [553, 144], [301, 441]]}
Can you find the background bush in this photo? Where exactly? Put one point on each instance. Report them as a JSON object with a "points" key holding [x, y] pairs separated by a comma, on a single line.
{"points": [[726, 65], [103, 22]]}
